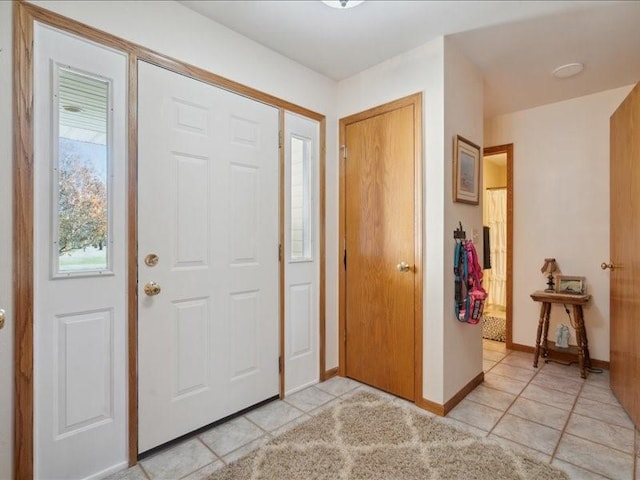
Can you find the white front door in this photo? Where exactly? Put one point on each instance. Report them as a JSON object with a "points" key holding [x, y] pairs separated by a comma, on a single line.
{"points": [[302, 252], [208, 212], [80, 317]]}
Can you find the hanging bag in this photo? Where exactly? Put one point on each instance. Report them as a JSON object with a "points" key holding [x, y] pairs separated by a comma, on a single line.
{"points": [[469, 294]]}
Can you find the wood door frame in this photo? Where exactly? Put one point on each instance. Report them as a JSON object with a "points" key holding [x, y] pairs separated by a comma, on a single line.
{"points": [[508, 150], [24, 17], [415, 101]]}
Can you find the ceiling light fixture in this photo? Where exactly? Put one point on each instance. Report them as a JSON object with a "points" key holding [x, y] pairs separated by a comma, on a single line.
{"points": [[342, 4], [568, 70]]}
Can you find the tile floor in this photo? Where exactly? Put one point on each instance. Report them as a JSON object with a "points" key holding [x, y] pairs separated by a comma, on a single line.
{"points": [[549, 413]]}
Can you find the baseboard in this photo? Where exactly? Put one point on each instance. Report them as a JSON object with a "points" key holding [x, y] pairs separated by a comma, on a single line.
{"points": [[560, 356], [449, 405], [330, 373]]}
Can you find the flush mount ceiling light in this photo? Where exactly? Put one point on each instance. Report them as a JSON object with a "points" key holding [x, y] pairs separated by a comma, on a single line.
{"points": [[568, 70], [342, 4]]}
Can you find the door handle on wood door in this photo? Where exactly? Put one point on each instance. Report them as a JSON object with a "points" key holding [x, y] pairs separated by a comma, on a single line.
{"points": [[2, 318], [610, 266], [403, 267]]}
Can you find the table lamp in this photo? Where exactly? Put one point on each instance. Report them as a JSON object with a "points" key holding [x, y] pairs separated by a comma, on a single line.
{"points": [[548, 268]]}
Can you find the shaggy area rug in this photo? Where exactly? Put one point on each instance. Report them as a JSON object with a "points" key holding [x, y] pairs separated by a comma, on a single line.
{"points": [[494, 328], [371, 437]]}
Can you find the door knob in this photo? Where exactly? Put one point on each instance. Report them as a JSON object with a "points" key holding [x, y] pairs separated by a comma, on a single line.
{"points": [[2, 317], [403, 267], [152, 289], [610, 266]]}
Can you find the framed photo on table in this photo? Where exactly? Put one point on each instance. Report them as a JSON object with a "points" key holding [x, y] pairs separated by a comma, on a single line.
{"points": [[466, 171], [569, 284]]}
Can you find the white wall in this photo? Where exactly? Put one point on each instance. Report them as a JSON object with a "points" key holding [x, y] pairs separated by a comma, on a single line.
{"points": [[463, 115], [452, 351], [6, 194], [201, 42], [561, 206]]}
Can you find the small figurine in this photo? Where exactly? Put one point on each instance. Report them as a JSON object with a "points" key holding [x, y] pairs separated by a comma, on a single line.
{"points": [[562, 336]]}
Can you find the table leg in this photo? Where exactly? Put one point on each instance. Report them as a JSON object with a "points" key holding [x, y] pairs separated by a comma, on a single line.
{"points": [[580, 338], [543, 311], [545, 332]]}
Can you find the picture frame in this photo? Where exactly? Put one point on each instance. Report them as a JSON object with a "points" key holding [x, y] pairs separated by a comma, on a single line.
{"points": [[466, 171], [570, 284]]}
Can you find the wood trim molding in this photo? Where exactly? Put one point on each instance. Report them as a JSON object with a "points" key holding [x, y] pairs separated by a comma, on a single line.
{"points": [[23, 241], [443, 409], [132, 279], [24, 16], [282, 255], [416, 101], [332, 372], [322, 321], [559, 356], [508, 150]]}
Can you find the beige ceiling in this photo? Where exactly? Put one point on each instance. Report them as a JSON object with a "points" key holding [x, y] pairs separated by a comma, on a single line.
{"points": [[516, 44]]}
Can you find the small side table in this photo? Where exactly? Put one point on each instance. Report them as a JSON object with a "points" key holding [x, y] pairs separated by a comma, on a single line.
{"points": [[546, 299]]}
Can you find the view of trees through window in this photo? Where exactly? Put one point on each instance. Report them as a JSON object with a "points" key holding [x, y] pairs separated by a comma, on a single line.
{"points": [[82, 173]]}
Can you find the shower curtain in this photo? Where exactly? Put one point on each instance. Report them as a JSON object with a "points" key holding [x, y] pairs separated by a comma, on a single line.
{"points": [[497, 218]]}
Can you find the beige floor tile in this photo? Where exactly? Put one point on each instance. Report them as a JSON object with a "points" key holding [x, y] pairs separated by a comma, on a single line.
{"points": [[495, 346], [521, 449], [599, 394], [594, 457], [231, 435], [288, 426], [504, 384], [309, 398], [566, 371], [576, 473], [475, 414], [324, 407], [512, 371], [487, 365], [273, 415], [548, 396], [540, 413], [246, 449], [599, 379], [178, 461], [465, 427], [492, 355], [598, 431], [205, 471], [520, 362], [491, 397], [554, 382], [338, 385], [133, 473], [601, 411], [524, 432]]}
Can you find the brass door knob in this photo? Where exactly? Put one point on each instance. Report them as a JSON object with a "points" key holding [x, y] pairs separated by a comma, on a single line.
{"points": [[403, 267], [610, 266], [2, 318], [152, 289]]}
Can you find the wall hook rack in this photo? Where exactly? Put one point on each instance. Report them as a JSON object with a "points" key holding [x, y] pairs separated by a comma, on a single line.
{"points": [[459, 233]]}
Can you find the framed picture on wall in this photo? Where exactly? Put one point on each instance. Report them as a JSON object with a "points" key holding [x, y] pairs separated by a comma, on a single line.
{"points": [[466, 171]]}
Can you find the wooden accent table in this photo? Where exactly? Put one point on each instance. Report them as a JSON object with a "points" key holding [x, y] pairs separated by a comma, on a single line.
{"points": [[546, 299]]}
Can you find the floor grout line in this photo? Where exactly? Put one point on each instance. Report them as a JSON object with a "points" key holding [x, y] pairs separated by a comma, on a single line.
{"points": [[144, 472], [209, 448]]}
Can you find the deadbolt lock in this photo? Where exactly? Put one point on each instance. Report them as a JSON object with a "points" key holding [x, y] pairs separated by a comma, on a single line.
{"points": [[151, 260]]}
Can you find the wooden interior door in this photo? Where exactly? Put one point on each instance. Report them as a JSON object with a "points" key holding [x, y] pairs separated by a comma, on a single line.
{"points": [[625, 257], [380, 218]]}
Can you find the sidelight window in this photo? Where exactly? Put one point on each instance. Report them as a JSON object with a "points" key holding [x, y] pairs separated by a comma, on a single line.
{"points": [[301, 200], [81, 172]]}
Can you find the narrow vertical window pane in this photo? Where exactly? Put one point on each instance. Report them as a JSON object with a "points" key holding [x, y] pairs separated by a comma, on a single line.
{"points": [[300, 199], [82, 173]]}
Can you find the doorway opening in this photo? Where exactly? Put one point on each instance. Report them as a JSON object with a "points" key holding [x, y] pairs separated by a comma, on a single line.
{"points": [[497, 216]]}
